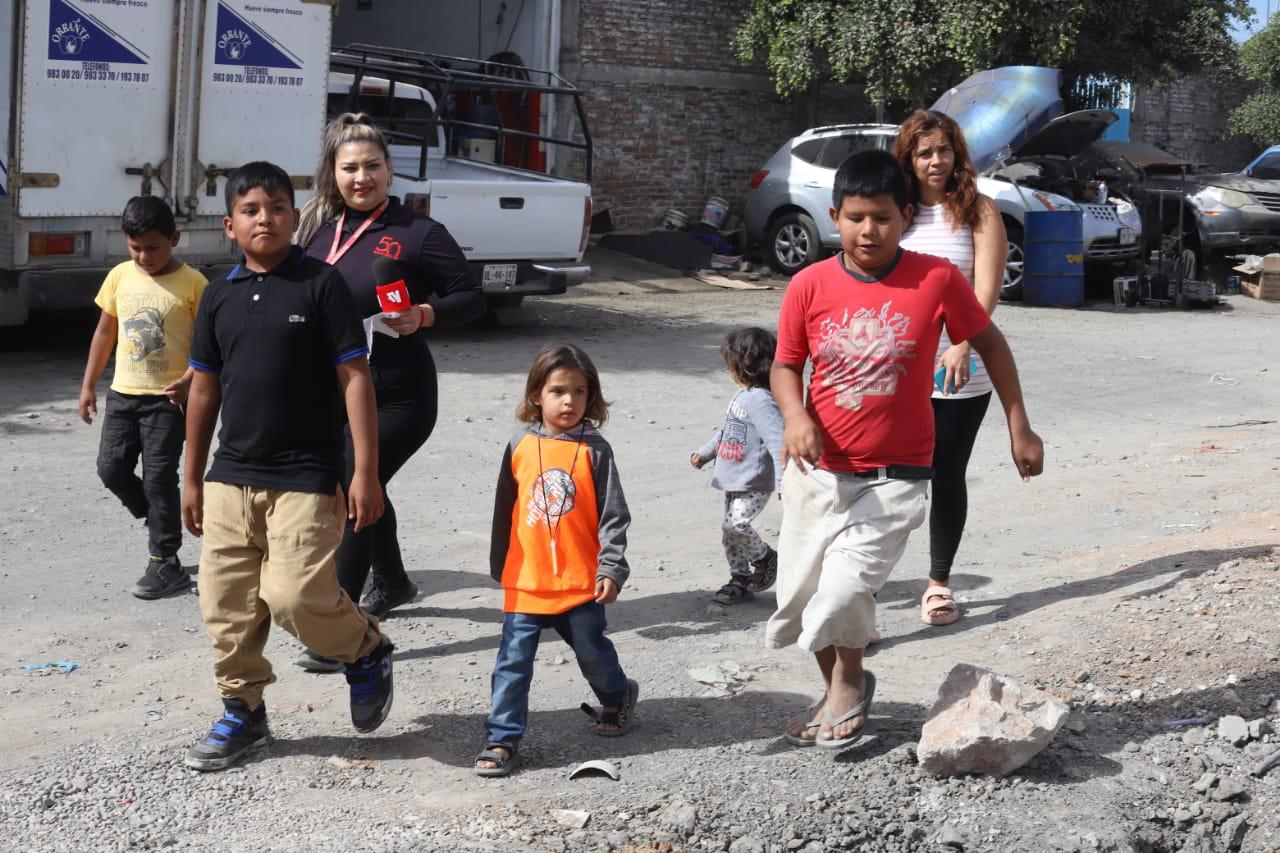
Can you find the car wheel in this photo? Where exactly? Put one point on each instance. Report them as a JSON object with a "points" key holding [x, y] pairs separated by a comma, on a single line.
{"points": [[1189, 263], [792, 243], [1014, 262]]}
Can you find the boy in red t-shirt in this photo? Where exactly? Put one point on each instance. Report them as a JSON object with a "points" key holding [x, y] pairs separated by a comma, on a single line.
{"points": [[861, 446]]}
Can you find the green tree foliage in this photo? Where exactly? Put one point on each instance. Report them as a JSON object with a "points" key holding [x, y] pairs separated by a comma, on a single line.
{"points": [[907, 51], [1259, 116]]}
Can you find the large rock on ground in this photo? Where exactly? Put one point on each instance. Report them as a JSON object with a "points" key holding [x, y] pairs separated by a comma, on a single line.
{"points": [[987, 723]]}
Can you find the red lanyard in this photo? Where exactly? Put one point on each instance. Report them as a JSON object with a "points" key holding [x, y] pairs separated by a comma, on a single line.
{"points": [[336, 251]]}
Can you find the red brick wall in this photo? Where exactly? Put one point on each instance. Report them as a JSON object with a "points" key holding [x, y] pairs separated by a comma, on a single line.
{"points": [[660, 144]]}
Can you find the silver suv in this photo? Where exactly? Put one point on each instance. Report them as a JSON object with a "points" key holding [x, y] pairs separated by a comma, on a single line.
{"points": [[787, 208], [786, 211]]}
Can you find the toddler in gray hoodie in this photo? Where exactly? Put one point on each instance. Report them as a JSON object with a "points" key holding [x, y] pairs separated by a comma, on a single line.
{"points": [[748, 463]]}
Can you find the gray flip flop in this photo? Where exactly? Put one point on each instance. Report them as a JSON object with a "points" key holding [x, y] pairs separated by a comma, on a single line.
{"points": [[859, 710], [812, 723]]}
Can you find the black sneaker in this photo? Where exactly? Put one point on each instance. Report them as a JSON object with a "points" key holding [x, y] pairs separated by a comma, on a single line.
{"points": [[381, 600], [312, 662], [237, 733], [370, 682], [162, 577], [764, 571]]}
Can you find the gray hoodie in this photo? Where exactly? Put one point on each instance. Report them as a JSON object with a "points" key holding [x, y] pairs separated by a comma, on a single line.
{"points": [[748, 447]]}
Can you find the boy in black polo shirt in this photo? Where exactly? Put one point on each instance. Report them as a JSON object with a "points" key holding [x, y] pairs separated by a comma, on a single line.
{"points": [[280, 348]]}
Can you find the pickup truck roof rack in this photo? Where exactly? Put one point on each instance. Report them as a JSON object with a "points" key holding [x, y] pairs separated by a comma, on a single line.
{"points": [[442, 74]]}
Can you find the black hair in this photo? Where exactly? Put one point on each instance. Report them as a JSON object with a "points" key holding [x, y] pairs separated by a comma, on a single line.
{"points": [[748, 354], [270, 177], [870, 173], [145, 213]]}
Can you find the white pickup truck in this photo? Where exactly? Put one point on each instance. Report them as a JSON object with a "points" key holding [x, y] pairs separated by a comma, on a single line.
{"points": [[523, 231]]}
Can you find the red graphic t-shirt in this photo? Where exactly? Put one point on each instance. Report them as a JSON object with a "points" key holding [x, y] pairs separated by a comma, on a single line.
{"points": [[873, 345]]}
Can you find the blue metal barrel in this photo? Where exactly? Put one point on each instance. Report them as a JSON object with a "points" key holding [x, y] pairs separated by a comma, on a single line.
{"points": [[1053, 243]]}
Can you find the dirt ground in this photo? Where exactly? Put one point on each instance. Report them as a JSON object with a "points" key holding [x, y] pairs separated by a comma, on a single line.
{"points": [[1136, 579]]}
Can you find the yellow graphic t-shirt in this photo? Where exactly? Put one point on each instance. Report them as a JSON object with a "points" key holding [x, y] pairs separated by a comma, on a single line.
{"points": [[155, 318]]}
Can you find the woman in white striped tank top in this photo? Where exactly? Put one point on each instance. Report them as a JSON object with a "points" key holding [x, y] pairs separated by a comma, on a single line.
{"points": [[951, 220]]}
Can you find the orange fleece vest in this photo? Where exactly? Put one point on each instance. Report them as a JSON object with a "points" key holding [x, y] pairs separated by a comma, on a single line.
{"points": [[549, 499]]}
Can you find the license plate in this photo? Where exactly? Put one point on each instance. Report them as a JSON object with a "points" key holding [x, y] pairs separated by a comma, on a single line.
{"points": [[502, 275], [1128, 236]]}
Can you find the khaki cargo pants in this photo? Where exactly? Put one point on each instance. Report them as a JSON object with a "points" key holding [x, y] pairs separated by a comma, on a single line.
{"points": [[268, 554]]}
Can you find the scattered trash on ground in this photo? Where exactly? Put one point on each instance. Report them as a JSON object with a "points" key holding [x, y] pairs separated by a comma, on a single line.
{"points": [[595, 767], [62, 667], [349, 763], [1189, 721], [571, 818]]}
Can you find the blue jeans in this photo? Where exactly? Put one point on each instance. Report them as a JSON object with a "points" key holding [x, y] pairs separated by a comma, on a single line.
{"points": [[583, 629]]}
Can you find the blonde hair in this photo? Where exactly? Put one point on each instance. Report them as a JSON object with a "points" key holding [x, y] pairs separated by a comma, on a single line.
{"points": [[327, 201]]}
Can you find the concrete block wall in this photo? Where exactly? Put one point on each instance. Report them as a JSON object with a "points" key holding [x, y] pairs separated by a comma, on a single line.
{"points": [[1189, 118], [674, 116]]}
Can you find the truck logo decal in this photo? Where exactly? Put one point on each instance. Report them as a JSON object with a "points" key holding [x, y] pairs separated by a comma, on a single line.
{"points": [[79, 37], [233, 44], [240, 42]]}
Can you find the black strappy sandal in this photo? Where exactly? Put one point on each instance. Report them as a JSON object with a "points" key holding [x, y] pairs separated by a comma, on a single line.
{"points": [[735, 591], [766, 572], [623, 718], [505, 764]]}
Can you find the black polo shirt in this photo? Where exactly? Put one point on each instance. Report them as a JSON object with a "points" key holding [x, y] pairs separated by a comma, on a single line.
{"points": [[274, 339]]}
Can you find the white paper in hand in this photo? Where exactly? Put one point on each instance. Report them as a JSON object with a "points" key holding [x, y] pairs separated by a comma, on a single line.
{"points": [[377, 323]]}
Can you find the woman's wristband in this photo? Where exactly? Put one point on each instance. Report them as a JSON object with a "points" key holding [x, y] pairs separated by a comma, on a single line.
{"points": [[422, 317]]}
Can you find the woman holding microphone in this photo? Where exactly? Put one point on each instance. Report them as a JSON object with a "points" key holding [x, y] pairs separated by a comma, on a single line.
{"points": [[351, 222]]}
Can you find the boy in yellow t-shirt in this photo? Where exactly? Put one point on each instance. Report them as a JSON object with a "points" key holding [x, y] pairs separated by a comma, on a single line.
{"points": [[149, 306]]}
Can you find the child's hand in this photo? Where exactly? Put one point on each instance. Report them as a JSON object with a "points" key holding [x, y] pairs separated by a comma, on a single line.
{"points": [[88, 404], [178, 389], [606, 591], [801, 442], [695, 460], [364, 501], [193, 507], [1028, 453]]}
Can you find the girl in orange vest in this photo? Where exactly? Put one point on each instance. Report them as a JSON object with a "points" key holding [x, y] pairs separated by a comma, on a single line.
{"points": [[559, 536]]}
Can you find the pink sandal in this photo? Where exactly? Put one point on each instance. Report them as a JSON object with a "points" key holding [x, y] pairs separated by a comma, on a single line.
{"points": [[938, 607]]}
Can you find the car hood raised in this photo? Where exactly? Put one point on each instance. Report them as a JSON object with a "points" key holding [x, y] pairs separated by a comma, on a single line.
{"points": [[1002, 107]]}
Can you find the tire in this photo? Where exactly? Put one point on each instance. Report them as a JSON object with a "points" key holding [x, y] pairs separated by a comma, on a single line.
{"points": [[792, 243], [501, 311], [1015, 261]]}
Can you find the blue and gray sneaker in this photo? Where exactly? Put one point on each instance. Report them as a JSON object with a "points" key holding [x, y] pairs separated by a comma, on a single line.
{"points": [[370, 682], [237, 733]]}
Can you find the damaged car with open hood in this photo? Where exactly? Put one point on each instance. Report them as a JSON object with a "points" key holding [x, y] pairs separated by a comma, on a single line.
{"points": [[1025, 149]]}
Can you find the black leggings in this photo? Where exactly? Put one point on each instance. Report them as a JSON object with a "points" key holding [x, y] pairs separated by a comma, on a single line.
{"points": [[407, 403], [956, 424]]}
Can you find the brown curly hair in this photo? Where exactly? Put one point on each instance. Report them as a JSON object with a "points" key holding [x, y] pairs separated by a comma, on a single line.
{"points": [[550, 359], [961, 200]]}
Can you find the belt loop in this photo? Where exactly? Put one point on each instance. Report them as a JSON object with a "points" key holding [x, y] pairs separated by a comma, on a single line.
{"points": [[882, 473]]}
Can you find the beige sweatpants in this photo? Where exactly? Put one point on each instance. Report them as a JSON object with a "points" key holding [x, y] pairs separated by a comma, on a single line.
{"points": [[267, 554], [841, 536]]}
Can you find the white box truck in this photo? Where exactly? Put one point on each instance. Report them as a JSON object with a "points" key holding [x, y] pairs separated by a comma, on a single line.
{"points": [[102, 100]]}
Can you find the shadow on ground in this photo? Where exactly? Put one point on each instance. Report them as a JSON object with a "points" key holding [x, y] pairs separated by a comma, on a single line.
{"points": [[1170, 569]]}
